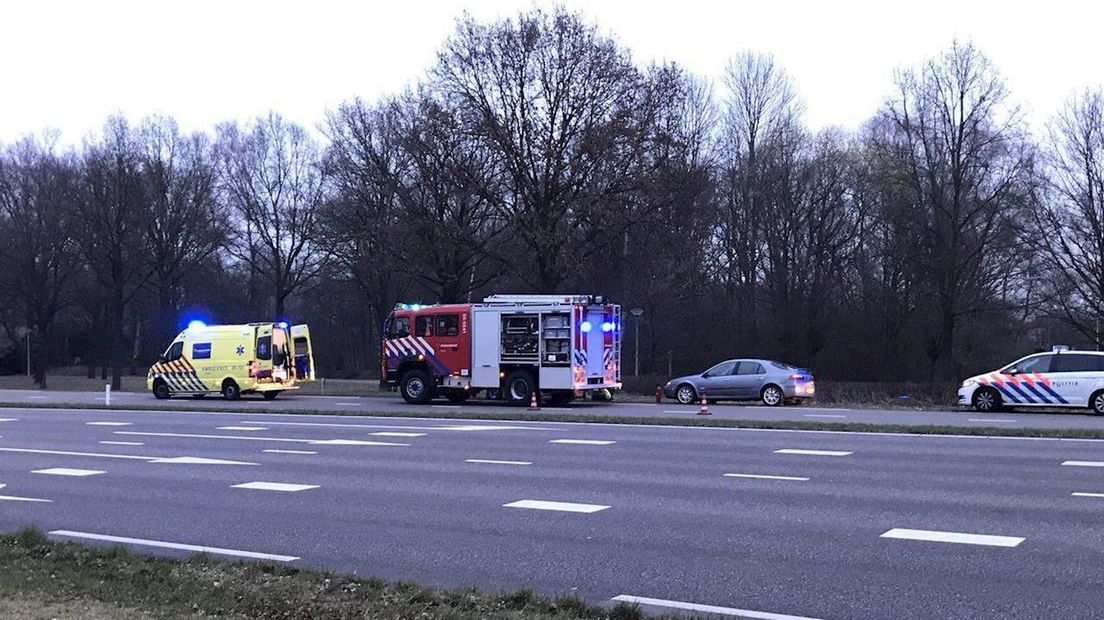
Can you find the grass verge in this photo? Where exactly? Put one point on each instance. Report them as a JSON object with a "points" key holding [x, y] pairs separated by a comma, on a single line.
{"points": [[48, 579], [589, 418]]}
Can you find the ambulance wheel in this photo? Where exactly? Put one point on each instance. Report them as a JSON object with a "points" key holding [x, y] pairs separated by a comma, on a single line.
{"points": [[230, 390], [518, 388], [1096, 403], [416, 388], [269, 395], [987, 400], [161, 390], [456, 396]]}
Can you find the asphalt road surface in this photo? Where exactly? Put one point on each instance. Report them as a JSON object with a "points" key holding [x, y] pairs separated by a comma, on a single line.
{"points": [[770, 524], [350, 404]]}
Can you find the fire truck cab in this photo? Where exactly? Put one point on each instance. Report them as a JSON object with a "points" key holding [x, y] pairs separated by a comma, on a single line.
{"points": [[512, 346]]}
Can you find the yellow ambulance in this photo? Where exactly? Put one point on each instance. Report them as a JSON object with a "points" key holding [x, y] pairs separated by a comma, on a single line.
{"points": [[265, 358]]}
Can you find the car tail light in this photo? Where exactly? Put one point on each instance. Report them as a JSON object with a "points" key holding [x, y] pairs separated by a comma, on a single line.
{"points": [[797, 377]]}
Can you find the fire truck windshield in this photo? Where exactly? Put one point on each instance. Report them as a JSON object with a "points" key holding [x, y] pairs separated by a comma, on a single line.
{"points": [[398, 327]]}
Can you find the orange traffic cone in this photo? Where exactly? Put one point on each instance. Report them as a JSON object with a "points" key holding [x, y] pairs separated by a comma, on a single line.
{"points": [[533, 404], [704, 406]]}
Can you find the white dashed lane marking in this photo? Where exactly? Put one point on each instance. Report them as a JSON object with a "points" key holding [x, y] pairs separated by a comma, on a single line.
{"points": [[706, 609], [275, 486], [321, 442], [13, 498], [1001, 420], [584, 442], [348, 404], [1080, 494], [953, 537], [813, 452], [64, 471], [122, 443], [536, 504], [397, 434], [824, 415], [765, 477], [108, 423], [241, 428], [196, 460], [1084, 463], [141, 542], [290, 451], [493, 462], [9, 419]]}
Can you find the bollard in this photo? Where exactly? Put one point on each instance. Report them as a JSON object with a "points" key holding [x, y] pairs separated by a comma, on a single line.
{"points": [[704, 406], [659, 395], [533, 404], [323, 386], [107, 395]]}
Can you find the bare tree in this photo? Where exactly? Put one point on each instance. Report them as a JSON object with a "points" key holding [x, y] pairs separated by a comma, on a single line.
{"points": [[561, 109], [961, 155], [186, 226], [1071, 213], [114, 214], [272, 179], [38, 196]]}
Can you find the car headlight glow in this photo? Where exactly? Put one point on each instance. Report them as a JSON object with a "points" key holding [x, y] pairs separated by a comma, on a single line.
{"points": [[969, 382]]}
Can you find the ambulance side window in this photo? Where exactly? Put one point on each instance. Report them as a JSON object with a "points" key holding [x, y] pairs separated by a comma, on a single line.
{"points": [[175, 351], [264, 348], [423, 326]]}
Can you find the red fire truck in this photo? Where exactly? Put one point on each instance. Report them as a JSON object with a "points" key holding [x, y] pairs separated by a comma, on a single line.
{"points": [[513, 346]]}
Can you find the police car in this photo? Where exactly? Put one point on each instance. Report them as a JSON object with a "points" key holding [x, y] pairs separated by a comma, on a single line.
{"points": [[1059, 378]]}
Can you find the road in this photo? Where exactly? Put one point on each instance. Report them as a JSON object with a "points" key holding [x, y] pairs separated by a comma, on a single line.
{"points": [[806, 524], [667, 409]]}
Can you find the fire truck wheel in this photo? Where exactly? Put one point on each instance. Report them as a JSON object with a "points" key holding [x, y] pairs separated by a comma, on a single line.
{"points": [[518, 387], [230, 390], [161, 390], [416, 388], [456, 397]]}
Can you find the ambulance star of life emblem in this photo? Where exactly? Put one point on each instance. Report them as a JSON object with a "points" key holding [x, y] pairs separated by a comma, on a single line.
{"points": [[241, 350]]}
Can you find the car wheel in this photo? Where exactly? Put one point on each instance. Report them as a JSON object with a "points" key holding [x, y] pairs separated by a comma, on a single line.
{"points": [[230, 390], [987, 400], [686, 394], [416, 388], [772, 396], [1096, 403], [161, 390], [518, 388]]}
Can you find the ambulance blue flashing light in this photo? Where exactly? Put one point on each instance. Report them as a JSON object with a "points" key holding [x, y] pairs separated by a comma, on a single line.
{"points": [[585, 327], [282, 325], [196, 324]]}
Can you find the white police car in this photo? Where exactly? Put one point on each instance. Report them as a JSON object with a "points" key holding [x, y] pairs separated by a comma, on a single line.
{"points": [[1060, 378]]}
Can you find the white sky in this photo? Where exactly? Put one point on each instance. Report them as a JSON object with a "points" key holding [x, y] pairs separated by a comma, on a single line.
{"points": [[67, 65]]}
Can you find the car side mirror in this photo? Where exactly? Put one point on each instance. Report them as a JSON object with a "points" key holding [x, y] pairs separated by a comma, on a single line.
{"points": [[1011, 371], [162, 358]]}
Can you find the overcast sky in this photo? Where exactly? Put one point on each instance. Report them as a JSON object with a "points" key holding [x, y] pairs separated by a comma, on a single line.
{"points": [[67, 65]]}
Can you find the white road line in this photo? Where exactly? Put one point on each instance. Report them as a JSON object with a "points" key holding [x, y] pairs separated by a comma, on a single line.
{"points": [[67, 453], [1084, 463], [992, 420], [241, 428], [480, 427], [445, 406], [290, 451], [13, 498], [536, 504], [274, 486], [824, 415], [348, 404], [493, 462], [396, 434], [331, 442], [708, 609], [64, 471], [196, 460], [953, 537], [38, 397], [1079, 494], [584, 442], [687, 410], [121, 443], [9, 419], [471, 427], [813, 452], [109, 424], [765, 477], [170, 545]]}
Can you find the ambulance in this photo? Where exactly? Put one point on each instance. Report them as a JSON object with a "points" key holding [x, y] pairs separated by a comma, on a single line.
{"points": [[262, 358], [1059, 378]]}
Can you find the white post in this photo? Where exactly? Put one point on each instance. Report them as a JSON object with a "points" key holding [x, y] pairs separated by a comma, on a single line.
{"points": [[28, 353], [107, 394]]}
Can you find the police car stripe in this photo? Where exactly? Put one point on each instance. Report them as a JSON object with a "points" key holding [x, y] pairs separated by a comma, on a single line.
{"points": [[1024, 395], [1006, 394], [1056, 395], [1036, 392]]}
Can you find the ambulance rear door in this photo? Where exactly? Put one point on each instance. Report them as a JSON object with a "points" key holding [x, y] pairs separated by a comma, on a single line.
{"points": [[304, 353]]}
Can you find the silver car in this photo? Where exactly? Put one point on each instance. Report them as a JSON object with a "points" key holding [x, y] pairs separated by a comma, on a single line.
{"points": [[772, 382]]}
